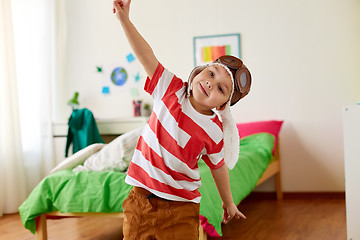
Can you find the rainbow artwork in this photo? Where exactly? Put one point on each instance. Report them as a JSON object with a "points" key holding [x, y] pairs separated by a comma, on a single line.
{"points": [[210, 53]]}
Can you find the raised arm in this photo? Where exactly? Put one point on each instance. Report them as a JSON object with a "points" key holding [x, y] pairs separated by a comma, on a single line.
{"points": [[140, 47], [221, 178]]}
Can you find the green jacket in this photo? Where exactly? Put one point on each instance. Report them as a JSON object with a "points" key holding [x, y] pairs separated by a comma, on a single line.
{"points": [[82, 131]]}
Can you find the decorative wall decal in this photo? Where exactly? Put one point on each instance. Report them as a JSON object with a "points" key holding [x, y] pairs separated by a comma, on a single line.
{"points": [[119, 76]]}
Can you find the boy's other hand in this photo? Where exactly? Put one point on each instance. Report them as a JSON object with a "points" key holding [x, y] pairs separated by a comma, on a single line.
{"points": [[231, 212]]}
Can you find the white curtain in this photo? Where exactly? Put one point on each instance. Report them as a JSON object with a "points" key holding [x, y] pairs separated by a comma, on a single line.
{"points": [[12, 171], [26, 138]]}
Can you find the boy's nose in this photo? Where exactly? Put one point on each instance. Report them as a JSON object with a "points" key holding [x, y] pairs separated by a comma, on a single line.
{"points": [[208, 84]]}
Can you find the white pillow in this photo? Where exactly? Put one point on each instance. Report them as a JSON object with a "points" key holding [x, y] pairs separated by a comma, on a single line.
{"points": [[116, 155], [79, 157]]}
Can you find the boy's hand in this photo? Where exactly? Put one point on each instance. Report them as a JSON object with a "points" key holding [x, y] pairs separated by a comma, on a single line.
{"points": [[230, 212], [121, 9]]}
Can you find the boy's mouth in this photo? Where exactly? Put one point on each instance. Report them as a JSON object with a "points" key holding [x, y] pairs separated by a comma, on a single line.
{"points": [[203, 89]]}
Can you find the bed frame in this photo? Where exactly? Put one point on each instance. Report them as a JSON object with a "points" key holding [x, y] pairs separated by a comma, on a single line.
{"points": [[274, 169]]}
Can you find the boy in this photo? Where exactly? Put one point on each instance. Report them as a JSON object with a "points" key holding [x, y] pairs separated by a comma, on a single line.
{"points": [[164, 202]]}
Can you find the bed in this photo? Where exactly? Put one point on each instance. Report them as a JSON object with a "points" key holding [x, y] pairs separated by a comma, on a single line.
{"points": [[66, 193]]}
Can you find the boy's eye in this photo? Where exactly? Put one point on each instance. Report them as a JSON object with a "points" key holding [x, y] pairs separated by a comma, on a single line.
{"points": [[211, 74], [221, 89]]}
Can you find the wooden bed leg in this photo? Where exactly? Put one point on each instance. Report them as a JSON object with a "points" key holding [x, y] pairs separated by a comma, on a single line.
{"points": [[41, 228], [279, 193], [278, 185], [202, 233]]}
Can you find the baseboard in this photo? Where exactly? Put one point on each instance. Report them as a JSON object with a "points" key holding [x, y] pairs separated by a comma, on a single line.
{"points": [[298, 195]]}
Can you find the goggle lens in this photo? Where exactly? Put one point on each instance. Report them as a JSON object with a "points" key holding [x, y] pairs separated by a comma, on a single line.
{"points": [[243, 79]]}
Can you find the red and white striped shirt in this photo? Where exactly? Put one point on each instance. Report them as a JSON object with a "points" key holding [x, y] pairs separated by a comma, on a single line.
{"points": [[165, 161]]}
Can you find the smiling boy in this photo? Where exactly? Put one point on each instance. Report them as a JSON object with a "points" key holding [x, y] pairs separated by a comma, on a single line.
{"points": [[183, 127]]}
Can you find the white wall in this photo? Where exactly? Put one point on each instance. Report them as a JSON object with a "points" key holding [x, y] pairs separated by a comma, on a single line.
{"points": [[303, 55]]}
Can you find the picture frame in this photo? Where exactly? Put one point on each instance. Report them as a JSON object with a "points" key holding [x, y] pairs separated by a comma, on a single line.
{"points": [[209, 48]]}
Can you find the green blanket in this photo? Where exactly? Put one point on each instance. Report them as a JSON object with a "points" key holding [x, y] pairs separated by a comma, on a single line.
{"points": [[68, 191]]}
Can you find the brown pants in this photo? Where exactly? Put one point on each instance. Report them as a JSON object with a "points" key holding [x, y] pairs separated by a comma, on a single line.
{"points": [[149, 217]]}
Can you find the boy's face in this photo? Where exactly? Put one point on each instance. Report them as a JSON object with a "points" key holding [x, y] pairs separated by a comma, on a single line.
{"points": [[211, 88]]}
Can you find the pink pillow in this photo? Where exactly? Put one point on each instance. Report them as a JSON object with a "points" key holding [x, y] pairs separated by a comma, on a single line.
{"points": [[272, 127]]}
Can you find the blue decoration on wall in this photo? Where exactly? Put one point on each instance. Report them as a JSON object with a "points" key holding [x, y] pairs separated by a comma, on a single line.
{"points": [[130, 57], [119, 76], [106, 90], [137, 77]]}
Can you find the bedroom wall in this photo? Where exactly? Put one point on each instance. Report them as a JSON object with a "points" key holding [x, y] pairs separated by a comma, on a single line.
{"points": [[303, 55]]}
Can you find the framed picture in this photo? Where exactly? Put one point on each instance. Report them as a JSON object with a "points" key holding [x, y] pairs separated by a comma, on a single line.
{"points": [[209, 48]]}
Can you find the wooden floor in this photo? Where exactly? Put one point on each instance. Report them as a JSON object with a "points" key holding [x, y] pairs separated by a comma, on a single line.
{"points": [[266, 219], [289, 220]]}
